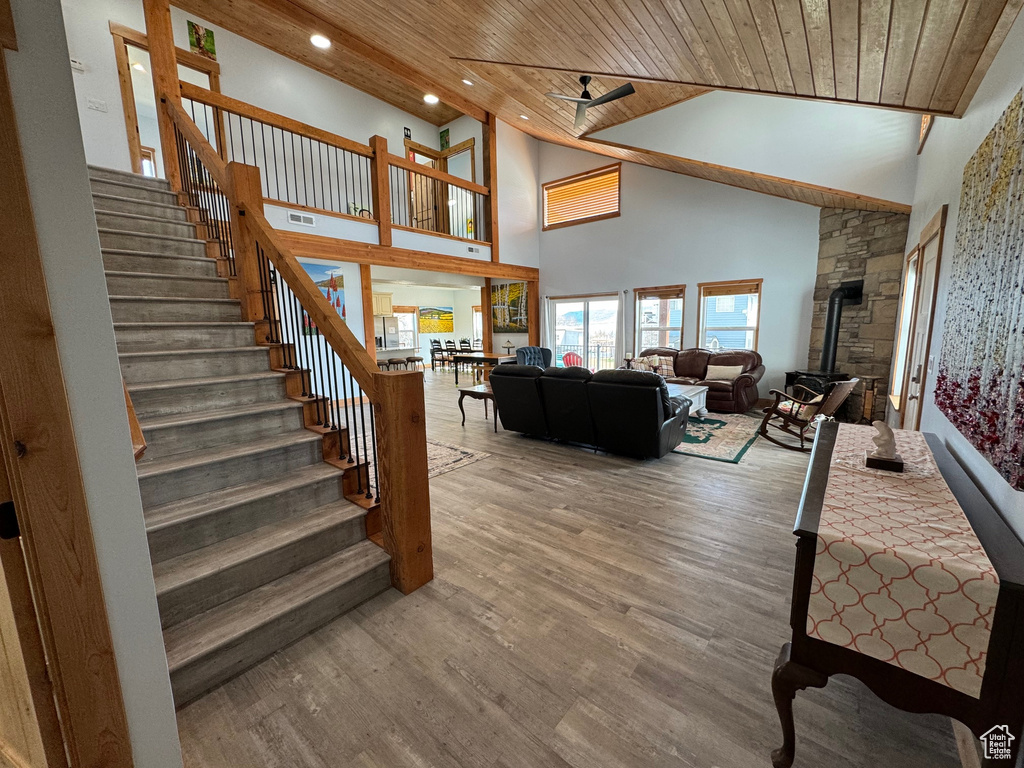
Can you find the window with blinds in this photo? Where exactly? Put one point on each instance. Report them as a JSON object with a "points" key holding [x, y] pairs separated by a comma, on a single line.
{"points": [[729, 314], [659, 317], [589, 196]]}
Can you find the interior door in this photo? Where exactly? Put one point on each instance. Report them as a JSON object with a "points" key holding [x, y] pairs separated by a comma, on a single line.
{"points": [[423, 196], [916, 374], [29, 729]]}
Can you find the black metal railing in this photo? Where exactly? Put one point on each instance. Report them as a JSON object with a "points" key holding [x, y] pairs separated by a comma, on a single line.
{"points": [[295, 168], [207, 197], [338, 403], [424, 202]]}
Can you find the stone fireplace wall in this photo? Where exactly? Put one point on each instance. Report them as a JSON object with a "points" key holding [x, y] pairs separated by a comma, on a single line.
{"points": [[855, 245]]}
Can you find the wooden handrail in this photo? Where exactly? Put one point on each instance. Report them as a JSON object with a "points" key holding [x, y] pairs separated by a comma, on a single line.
{"points": [[220, 101], [217, 168], [433, 173], [138, 439], [328, 322]]}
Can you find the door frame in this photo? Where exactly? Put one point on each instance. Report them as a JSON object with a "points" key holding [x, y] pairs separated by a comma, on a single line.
{"points": [[123, 36], [42, 466], [586, 298], [935, 228]]}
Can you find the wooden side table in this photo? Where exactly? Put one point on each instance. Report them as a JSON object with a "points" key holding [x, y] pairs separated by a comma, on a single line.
{"points": [[479, 392]]}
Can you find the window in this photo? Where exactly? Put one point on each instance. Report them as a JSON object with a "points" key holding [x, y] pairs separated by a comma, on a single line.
{"points": [[728, 314], [585, 330], [589, 196], [478, 324], [906, 315], [659, 317], [406, 317]]}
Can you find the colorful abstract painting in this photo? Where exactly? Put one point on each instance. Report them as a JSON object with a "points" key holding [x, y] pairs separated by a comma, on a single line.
{"points": [[980, 386], [508, 308], [331, 283], [437, 320]]}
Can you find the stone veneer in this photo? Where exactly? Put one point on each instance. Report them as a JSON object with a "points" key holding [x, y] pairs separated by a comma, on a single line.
{"points": [[856, 245]]}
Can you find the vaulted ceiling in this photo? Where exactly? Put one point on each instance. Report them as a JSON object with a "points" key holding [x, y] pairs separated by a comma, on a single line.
{"points": [[920, 55]]}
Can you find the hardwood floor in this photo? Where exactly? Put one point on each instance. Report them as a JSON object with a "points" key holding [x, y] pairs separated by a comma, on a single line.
{"points": [[587, 610]]}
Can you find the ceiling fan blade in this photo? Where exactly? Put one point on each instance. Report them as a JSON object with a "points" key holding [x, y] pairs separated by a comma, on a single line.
{"points": [[581, 114], [612, 95], [576, 99]]}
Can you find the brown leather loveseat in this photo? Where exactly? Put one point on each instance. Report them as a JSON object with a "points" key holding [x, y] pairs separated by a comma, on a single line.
{"points": [[690, 366]]}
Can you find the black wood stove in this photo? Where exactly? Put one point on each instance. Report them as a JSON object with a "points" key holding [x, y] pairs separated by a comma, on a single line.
{"points": [[847, 294]]}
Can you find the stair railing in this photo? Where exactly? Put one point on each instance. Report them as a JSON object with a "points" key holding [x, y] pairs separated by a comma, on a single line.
{"points": [[373, 421]]}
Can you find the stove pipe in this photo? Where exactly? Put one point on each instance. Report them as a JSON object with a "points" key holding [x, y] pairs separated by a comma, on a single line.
{"points": [[850, 293]]}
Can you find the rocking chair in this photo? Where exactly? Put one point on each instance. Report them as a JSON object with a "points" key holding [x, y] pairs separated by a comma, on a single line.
{"points": [[795, 415]]}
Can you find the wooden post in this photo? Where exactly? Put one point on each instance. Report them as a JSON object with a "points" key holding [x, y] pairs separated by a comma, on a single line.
{"points": [[490, 150], [533, 312], [405, 487], [246, 187], [366, 283], [164, 63], [381, 187], [488, 316]]}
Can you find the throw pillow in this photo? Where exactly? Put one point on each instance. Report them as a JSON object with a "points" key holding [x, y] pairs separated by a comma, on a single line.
{"points": [[802, 412], [662, 364], [723, 372], [641, 364]]}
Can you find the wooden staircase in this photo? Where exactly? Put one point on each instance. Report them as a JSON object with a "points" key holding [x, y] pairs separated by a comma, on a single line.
{"points": [[253, 541]]}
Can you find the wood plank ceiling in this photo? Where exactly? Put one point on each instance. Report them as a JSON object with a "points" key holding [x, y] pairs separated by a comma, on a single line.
{"points": [[920, 55]]}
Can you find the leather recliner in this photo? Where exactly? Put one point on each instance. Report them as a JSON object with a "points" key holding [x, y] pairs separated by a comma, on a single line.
{"points": [[534, 356], [690, 366], [627, 412]]}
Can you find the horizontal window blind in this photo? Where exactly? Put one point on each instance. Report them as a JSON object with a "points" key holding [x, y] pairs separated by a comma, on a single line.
{"points": [[582, 198], [730, 289], [668, 292]]}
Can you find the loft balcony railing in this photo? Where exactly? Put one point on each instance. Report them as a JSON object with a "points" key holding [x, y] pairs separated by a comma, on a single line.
{"points": [[305, 167], [372, 422]]}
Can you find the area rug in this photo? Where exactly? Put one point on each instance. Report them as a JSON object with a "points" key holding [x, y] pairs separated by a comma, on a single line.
{"points": [[723, 437], [442, 457]]}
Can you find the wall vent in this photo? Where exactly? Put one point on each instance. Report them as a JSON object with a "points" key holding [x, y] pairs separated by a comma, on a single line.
{"points": [[473, 249], [302, 219]]}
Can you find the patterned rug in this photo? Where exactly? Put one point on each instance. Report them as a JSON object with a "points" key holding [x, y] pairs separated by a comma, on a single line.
{"points": [[720, 437], [442, 457]]}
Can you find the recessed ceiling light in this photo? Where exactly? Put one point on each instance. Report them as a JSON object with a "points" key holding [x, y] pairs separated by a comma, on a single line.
{"points": [[138, 65], [430, 98], [320, 41], [524, 117], [467, 82]]}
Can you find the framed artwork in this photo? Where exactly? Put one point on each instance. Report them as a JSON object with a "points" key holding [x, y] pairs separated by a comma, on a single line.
{"points": [[980, 386], [331, 283], [200, 40], [446, 140], [437, 320], [509, 308]]}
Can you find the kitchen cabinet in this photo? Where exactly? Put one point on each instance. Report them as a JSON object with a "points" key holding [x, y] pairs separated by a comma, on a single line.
{"points": [[382, 304]]}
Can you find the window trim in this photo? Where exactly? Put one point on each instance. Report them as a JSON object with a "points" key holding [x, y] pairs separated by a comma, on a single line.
{"points": [[659, 292], [720, 288], [617, 167], [404, 309]]}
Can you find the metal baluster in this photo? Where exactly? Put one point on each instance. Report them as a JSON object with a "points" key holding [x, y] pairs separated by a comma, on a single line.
{"points": [[305, 184], [366, 455], [376, 479], [334, 393], [346, 449], [352, 426], [301, 318], [318, 362], [307, 333]]}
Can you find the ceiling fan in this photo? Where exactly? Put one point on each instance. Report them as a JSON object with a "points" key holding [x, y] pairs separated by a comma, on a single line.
{"points": [[585, 100]]}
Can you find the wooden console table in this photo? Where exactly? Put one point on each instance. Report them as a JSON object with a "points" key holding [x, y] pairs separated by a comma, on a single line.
{"points": [[808, 662]]}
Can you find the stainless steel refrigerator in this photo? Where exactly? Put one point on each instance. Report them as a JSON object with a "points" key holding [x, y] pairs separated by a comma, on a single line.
{"points": [[386, 332]]}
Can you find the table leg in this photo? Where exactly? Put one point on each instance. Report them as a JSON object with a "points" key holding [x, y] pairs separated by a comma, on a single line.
{"points": [[462, 396], [495, 409], [456, 374], [702, 412], [788, 678], [485, 408]]}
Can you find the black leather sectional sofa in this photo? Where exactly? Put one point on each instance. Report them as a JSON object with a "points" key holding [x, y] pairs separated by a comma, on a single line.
{"points": [[619, 411]]}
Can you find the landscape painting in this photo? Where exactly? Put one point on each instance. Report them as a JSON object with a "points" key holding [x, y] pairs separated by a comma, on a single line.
{"points": [[437, 320], [980, 386], [331, 283], [508, 308]]}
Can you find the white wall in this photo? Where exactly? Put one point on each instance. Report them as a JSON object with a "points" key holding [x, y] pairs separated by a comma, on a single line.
{"points": [[940, 174], [678, 230], [518, 195], [55, 161], [461, 130], [248, 72], [856, 149]]}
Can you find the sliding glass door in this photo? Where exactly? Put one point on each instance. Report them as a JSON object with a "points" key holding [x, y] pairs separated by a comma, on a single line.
{"points": [[585, 331]]}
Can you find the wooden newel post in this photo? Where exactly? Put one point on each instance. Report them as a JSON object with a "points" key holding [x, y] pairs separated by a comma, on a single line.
{"points": [[246, 187], [400, 416], [381, 187], [164, 62]]}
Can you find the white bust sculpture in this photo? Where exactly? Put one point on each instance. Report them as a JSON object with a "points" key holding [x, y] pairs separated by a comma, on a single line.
{"points": [[885, 441]]}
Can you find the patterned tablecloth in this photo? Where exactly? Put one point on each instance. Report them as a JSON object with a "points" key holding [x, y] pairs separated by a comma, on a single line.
{"points": [[899, 574]]}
